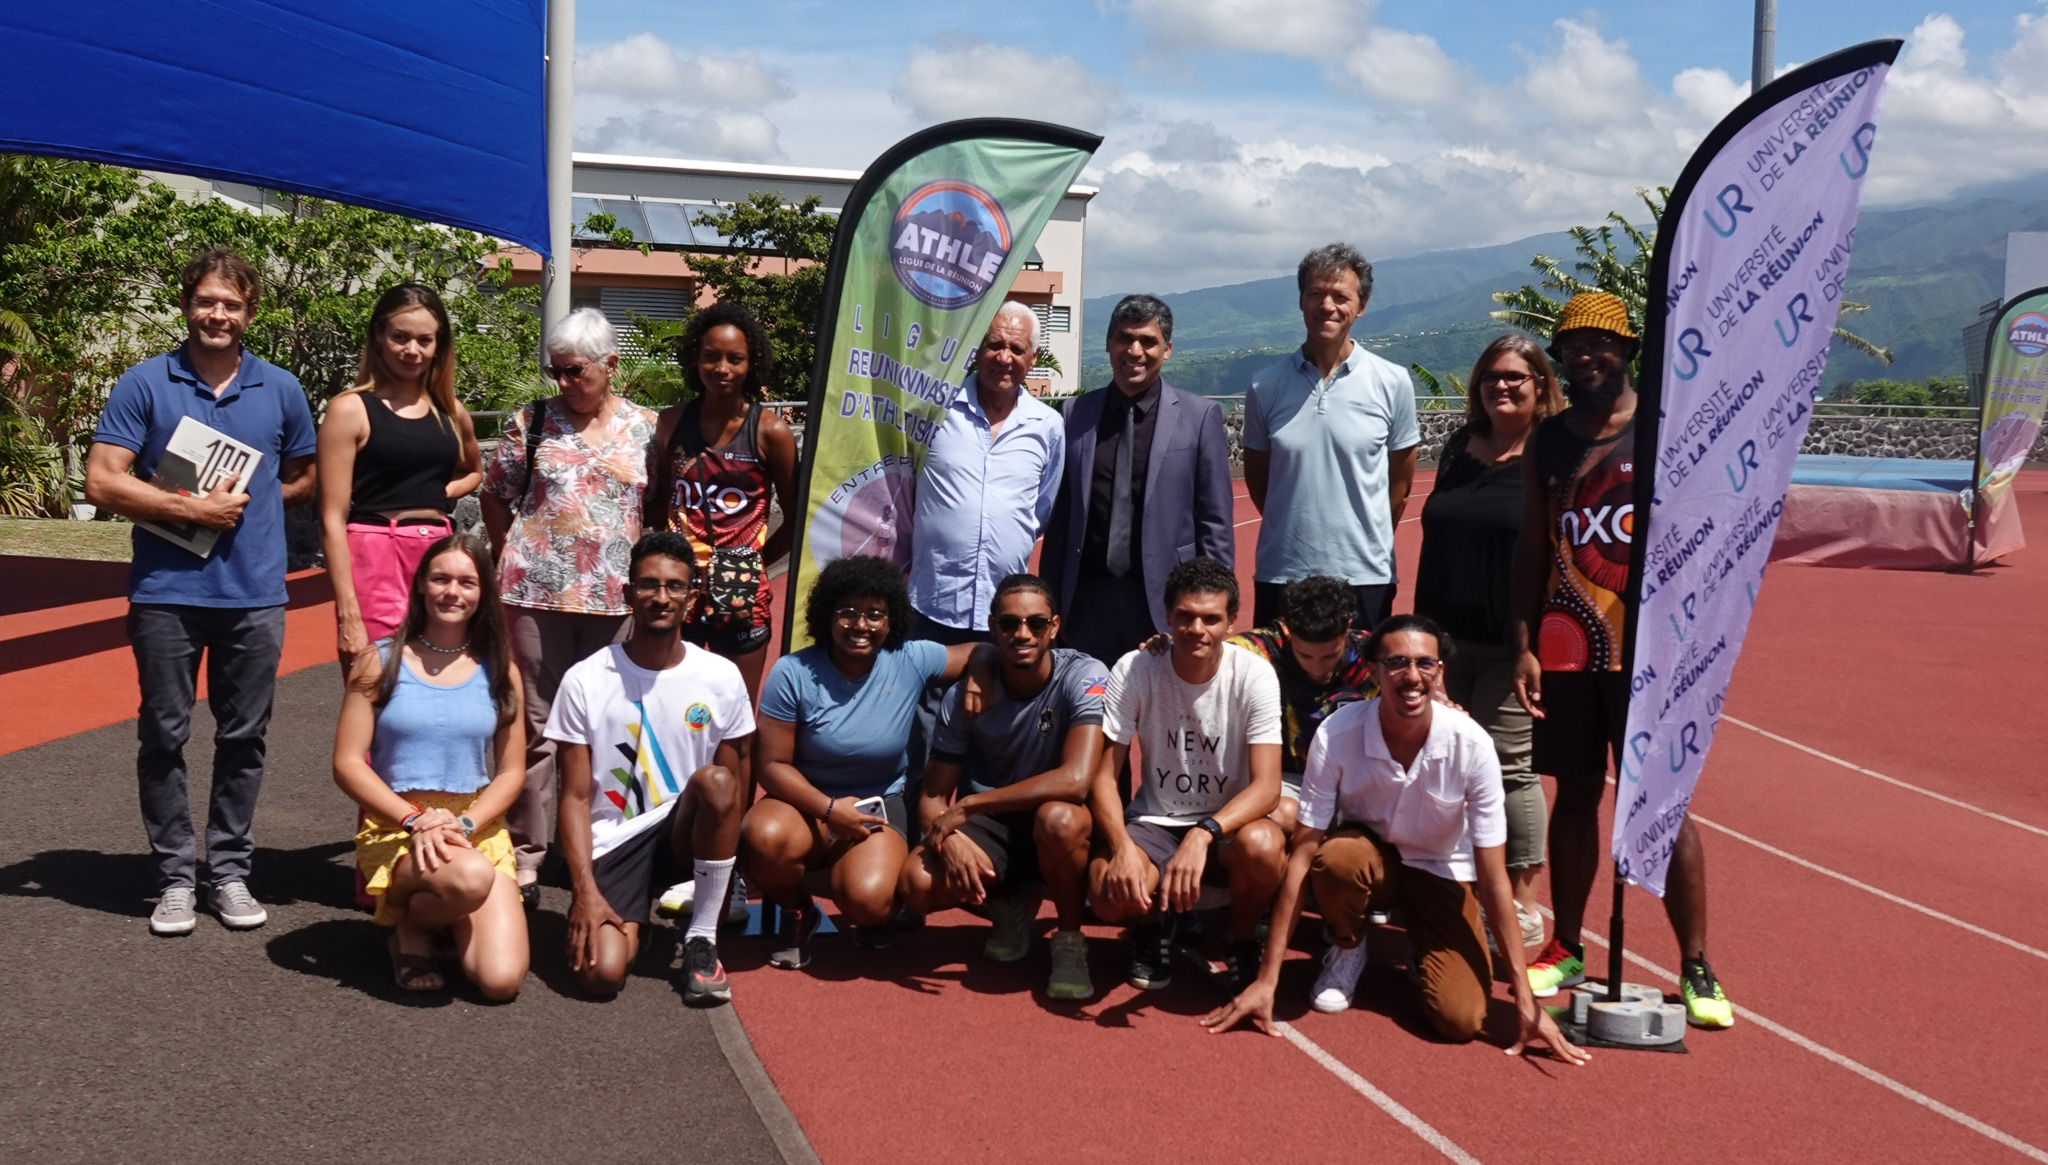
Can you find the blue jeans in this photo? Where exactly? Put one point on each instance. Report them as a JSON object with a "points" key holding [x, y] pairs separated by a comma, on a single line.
{"points": [[242, 646]]}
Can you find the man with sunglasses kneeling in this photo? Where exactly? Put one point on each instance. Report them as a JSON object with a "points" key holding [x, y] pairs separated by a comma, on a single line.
{"points": [[1021, 769]]}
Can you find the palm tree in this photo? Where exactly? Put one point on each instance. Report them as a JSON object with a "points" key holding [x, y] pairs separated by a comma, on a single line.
{"points": [[1621, 268]]}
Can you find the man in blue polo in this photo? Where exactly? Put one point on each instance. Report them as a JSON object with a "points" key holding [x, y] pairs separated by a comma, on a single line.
{"points": [[228, 604], [1329, 448]]}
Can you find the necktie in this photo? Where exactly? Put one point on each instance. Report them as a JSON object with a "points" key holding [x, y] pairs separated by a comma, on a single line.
{"points": [[1118, 555]]}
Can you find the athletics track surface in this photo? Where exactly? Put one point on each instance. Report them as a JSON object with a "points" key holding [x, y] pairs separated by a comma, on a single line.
{"points": [[1877, 834]]}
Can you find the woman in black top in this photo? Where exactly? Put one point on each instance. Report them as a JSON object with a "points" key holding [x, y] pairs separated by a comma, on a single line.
{"points": [[1470, 526], [395, 453]]}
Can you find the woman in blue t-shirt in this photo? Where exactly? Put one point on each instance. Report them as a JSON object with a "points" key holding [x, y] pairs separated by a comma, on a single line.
{"points": [[831, 754], [432, 748]]}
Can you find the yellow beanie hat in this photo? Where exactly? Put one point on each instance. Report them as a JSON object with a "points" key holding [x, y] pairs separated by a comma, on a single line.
{"points": [[1595, 309]]}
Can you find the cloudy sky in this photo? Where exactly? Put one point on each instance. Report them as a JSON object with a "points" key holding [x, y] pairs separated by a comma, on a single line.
{"points": [[1238, 133]]}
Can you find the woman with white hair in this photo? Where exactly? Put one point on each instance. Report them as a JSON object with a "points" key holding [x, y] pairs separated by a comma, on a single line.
{"points": [[562, 503]]}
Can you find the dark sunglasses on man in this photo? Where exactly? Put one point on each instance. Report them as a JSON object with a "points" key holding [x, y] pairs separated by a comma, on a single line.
{"points": [[1008, 624]]}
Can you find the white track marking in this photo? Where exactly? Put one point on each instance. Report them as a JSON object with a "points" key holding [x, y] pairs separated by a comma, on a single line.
{"points": [[1866, 887], [1387, 1104], [1946, 800], [1839, 1060]]}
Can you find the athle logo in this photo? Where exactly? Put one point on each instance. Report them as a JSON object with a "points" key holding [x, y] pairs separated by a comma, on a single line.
{"points": [[2028, 334], [951, 239]]}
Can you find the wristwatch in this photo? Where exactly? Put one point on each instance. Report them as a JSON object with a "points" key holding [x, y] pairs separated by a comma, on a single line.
{"points": [[467, 826], [1209, 825]]}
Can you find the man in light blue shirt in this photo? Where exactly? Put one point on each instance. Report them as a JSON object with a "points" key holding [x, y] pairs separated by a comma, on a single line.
{"points": [[988, 486], [1329, 448]]}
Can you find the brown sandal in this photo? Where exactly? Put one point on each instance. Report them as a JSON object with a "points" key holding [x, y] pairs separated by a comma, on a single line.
{"points": [[414, 972]]}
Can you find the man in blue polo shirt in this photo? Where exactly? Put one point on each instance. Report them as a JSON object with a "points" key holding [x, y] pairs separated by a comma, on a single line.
{"points": [[1329, 448], [229, 604]]}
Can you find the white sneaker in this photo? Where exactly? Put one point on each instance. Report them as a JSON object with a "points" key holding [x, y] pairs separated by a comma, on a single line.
{"points": [[1339, 979], [236, 907], [737, 913], [678, 898], [174, 913]]}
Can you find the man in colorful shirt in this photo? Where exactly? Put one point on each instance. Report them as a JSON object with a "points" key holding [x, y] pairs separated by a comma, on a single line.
{"points": [[562, 503], [1322, 664], [1571, 579], [653, 737]]}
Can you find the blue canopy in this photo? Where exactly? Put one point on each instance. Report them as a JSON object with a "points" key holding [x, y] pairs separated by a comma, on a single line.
{"points": [[427, 108]]}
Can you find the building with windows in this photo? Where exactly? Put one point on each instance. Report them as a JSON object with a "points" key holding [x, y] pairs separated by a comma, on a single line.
{"points": [[658, 199]]}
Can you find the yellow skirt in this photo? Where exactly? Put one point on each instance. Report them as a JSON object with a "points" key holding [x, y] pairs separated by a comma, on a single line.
{"points": [[380, 846]]}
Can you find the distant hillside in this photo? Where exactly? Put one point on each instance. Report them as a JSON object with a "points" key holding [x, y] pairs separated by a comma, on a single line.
{"points": [[1924, 272]]}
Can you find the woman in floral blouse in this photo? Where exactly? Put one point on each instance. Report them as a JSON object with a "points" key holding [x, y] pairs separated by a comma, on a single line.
{"points": [[562, 503]]}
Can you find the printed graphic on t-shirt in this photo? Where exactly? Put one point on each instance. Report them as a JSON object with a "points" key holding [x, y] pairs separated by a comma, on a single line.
{"points": [[1191, 780], [646, 781], [1582, 618]]}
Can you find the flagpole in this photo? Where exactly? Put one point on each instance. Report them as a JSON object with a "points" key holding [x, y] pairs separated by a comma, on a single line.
{"points": [[1763, 55], [561, 147]]}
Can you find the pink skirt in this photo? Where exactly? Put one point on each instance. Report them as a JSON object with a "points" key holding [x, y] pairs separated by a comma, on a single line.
{"points": [[382, 557]]}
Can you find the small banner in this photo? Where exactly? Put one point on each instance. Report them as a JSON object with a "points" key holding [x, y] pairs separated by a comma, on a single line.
{"points": [[2015, 385], [928, 244], [1745, 285]]}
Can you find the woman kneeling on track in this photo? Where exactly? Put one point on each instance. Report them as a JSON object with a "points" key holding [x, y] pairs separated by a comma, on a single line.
{"points": [[431, 746], [831, 755]]}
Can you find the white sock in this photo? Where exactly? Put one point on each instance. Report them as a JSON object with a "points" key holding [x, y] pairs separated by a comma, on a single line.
{"points": [[708, 910]]}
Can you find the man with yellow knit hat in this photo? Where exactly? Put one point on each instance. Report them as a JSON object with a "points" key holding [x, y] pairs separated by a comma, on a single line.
{"points": [[1571, 577]]}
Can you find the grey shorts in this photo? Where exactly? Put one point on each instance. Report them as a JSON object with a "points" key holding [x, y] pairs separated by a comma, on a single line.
{"points": [[1160, 841]]}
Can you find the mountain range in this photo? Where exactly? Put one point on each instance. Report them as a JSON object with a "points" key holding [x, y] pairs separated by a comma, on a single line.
{"points": [[1925, 273]]}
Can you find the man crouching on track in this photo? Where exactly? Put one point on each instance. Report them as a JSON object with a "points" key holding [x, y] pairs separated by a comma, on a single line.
{"points": [[1021, 819], [1419, 790], [1206, 719]]}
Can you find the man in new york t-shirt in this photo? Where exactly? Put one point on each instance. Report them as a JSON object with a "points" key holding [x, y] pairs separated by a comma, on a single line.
{"points": [[1205, 772], [655, 738]]}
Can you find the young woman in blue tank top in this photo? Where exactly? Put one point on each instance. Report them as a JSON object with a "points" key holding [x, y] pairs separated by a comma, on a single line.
{"points": [[396, 452], [432, 748]]}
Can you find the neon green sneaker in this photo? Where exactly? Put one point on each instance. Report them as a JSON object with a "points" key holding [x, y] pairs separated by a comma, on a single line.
{"points": [[1705, 1005], [1558, 967]]}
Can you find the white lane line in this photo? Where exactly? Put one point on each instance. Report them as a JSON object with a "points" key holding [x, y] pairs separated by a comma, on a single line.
{"points": [[1839, 1060], [1887, 895], [1851, 765], [1387, 1104]]}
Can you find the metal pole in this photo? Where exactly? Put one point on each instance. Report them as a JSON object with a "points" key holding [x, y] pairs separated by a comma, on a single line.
{"points": [[561, 144], [1763, 56], [1614, 938]]}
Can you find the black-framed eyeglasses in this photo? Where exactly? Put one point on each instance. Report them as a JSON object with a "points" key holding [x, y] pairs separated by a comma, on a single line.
{"points": [[854, 616], [649, 587], [1008, 624], [1425, 664], [1510, 379], [564, 371]]}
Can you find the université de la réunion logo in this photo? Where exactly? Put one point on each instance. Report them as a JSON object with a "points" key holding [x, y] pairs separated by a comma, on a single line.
{"points": [[949, 241], [2028, 334]]}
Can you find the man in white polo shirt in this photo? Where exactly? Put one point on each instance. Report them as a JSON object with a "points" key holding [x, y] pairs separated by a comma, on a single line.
{"points": [[1329, 448], [1402, 803]]}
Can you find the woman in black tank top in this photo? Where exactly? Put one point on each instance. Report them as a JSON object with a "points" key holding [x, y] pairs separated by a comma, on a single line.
{"points": [[395, 453], [722, 460]]}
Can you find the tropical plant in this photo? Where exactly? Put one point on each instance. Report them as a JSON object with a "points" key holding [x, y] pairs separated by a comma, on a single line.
{"points": [[1615, 257], [1444, 388]]}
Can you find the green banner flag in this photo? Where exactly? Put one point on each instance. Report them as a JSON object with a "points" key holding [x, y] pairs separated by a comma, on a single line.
{"points": [[2015, 385], [928, 244]]}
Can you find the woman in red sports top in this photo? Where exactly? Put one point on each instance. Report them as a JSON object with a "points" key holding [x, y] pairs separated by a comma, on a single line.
{"points": [[724, 458]]}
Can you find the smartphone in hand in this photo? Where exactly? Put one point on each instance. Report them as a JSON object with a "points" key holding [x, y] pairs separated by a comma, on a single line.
{"points": [[874, 807]]}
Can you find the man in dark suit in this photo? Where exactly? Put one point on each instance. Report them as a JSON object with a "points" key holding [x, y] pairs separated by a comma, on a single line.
{"points": [[1146, 487]]}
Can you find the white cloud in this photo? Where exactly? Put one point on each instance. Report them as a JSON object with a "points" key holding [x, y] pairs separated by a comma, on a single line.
{"points": [[1406, 67], [723, 134], [1316, 29], [1944, 127], [960, 77], [644, 65]]}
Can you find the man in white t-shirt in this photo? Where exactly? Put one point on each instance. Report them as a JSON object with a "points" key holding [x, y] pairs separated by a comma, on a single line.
{"points": [[1206, 721], [1402, 800], [655, 738]]}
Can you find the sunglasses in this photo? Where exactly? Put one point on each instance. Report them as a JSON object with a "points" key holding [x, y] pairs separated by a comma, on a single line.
{"points": [[1396, 664], [564, 371], [1008, 624]]}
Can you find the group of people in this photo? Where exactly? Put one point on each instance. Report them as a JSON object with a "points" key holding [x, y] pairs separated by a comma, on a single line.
{"points": [[588, 675]]}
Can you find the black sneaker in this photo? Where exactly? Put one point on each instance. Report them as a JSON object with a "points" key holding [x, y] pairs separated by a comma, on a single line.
{"points": [[1152, 954], [1241, 965], [704, 981], [529, 896], [795, 931], [875, 938]]}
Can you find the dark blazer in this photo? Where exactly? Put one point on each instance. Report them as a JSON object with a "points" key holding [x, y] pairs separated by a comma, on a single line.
{"points": [[1187, 493]]}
